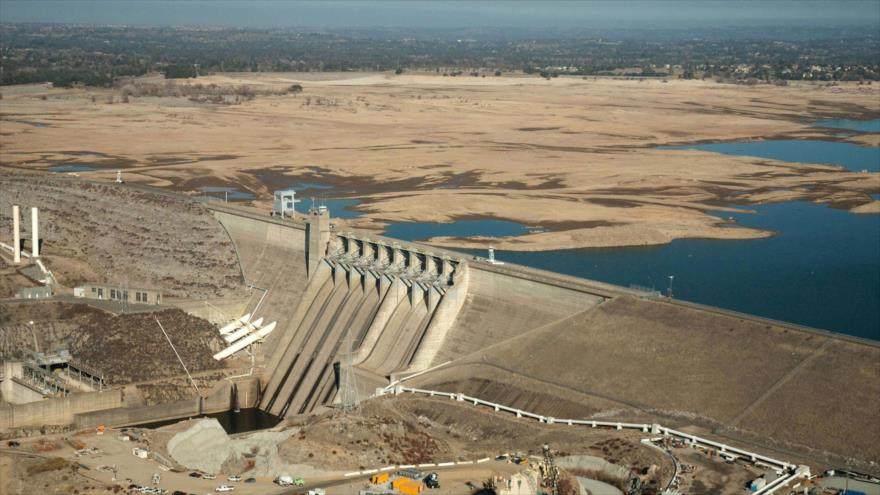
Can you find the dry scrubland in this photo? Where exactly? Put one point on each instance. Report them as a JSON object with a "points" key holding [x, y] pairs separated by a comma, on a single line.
{"points": [[104, 233], [570, 154], [638, 358], [127, 348], [408, 430]]}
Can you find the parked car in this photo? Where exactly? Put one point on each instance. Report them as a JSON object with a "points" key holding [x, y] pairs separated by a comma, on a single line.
{"points": [[209, 476], [224, 488], [195, 474], [234, 478], [250, 480], [432, 481]]}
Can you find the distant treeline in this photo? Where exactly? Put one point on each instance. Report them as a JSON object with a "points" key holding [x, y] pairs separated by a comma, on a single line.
{"points": [[65, 54]]}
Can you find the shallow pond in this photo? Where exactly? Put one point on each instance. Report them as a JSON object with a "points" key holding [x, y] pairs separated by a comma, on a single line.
{"points": [[233, 422]]}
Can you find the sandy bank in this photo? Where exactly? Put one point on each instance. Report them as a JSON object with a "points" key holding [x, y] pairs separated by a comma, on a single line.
{"points": [[616, 236], [565, 154]]}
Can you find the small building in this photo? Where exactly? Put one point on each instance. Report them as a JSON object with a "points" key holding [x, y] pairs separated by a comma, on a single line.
{"points": [[757, 484], [42, 292], [111, 292], [284, 203]]}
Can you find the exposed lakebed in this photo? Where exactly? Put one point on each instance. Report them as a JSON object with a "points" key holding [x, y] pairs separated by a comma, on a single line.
{"points": [[821, 269]]}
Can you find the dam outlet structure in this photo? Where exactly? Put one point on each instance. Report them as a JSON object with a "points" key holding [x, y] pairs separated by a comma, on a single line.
{"points": [[391, 303]]}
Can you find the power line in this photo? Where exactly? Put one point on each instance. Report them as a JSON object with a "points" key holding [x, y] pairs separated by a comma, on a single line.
{"points": [[178, 356]]}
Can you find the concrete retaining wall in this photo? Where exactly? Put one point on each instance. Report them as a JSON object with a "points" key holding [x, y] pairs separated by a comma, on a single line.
{"points": [[91, 409], [59, 411], [217, 401]]}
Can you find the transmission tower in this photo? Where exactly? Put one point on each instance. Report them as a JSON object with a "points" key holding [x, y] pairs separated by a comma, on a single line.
{"points": [[348, 393]]}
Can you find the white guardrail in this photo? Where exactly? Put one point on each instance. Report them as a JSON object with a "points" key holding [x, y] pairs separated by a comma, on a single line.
{"points": [[787, 471], [366, 472]]}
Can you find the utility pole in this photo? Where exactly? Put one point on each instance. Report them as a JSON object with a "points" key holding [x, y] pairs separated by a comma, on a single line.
{"points": [[178, 357]]}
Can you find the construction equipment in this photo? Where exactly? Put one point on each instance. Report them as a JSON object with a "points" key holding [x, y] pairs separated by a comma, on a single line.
{"points": [[550, 471], [407, 486], [381, 478]]}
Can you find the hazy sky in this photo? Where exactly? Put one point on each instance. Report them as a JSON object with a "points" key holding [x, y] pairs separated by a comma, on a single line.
{"points": [[449, 14]]}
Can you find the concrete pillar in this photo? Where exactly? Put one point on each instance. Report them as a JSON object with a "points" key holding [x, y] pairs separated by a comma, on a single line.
{"points": [[35, 231], [430, 263], [317, 237], [369, 250], [382, 250], [430, 299], [16, 234], [336, 244], [354, 279], [448, 270]]}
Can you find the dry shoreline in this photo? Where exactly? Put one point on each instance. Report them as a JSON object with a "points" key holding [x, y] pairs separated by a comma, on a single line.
{"points": [[576, 154]]}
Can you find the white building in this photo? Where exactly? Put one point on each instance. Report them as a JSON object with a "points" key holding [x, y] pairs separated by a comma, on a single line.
{"points": [[285, 202]]}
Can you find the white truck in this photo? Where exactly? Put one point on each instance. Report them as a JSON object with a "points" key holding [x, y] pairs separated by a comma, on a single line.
{"points": [[284, 480]]}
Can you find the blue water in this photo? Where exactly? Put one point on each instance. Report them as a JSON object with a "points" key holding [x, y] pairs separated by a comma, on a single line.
{"points": [[305, 186], [414, 231], [339, 208], [856, 125], [822, 269], [230, 193], [848, 155], [63, 169]]}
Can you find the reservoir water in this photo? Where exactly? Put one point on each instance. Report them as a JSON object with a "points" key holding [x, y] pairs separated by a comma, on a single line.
{"points": [[849, 124], [848, 155], [821, 269]]}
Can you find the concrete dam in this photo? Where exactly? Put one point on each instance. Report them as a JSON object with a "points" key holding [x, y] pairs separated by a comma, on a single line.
{"points": [[399, 306], [553, 344]]}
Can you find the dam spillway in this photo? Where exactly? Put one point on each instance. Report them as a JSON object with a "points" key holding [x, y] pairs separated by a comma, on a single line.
{"points": [[382, 298], [407, 306]]}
